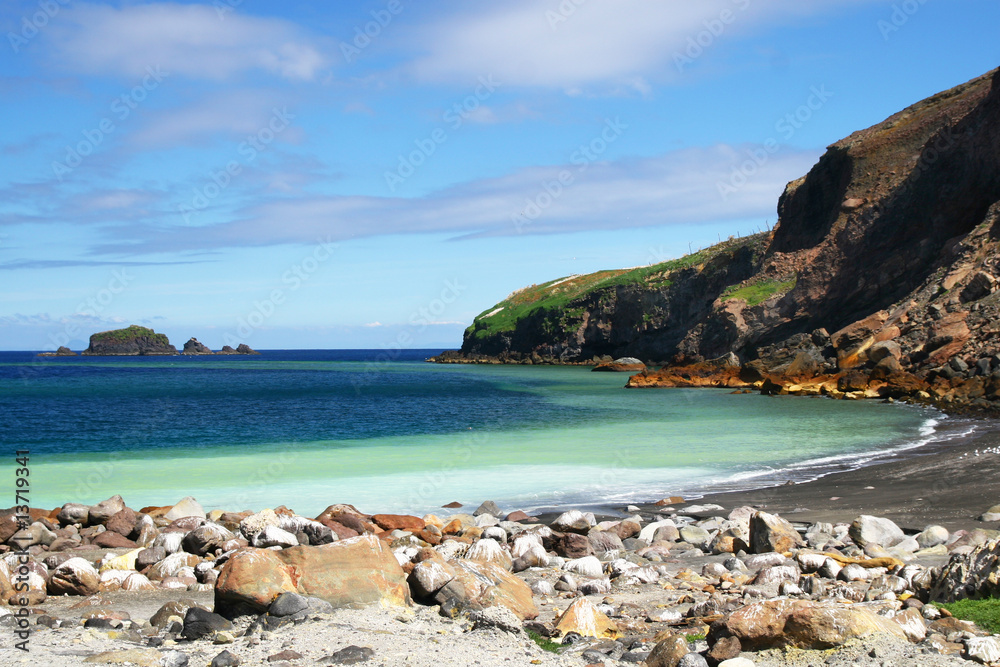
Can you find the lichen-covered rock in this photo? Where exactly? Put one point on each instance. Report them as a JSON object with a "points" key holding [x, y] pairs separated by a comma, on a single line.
{"points": [[974, 575]]}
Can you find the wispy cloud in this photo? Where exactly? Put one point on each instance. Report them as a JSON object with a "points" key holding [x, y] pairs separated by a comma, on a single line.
{"points": [[185, 40], [680, 187], [614, 44], [66, 263]]}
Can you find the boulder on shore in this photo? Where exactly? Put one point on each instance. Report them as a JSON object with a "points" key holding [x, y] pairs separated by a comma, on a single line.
{"points": [[360, 570]]}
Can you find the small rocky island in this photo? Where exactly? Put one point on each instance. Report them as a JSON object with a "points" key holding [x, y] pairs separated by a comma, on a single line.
{"points": [[135, 341], [129, 342]]}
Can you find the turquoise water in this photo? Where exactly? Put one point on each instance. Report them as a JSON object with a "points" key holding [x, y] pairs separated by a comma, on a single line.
{"points": [[310, 428]]}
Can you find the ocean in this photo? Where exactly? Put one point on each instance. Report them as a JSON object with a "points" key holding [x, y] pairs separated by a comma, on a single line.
{"points": [[388, 432]]}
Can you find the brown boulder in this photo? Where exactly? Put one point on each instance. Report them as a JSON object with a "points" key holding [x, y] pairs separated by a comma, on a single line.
{"points": [[487, 585], [122, 522], [360, 570], [74, 577], [112, 540], [392, 522], [668, 652], [573, 545], [769, 532], [104, 510], [342, 531], [802, 624]]}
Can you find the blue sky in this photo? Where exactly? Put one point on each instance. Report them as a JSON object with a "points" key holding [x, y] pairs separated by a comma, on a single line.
{"points": [[375, 174]]}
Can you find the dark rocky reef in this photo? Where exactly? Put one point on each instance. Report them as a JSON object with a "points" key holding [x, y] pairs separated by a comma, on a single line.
{"points": [[242, 348], [131, 341], [63, 351]]}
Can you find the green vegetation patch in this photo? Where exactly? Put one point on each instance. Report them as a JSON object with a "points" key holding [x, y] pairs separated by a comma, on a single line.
{"points": [[691, 639], [757, 293], [545, 643], [129, 333], [984, 613], [557, 295]]}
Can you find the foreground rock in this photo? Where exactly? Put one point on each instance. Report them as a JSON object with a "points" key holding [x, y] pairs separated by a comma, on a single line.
{"points": [[606, 590], [360, 570]]}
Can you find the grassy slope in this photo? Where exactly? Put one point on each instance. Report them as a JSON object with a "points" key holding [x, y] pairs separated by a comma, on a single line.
{"points": [[558, 295]]}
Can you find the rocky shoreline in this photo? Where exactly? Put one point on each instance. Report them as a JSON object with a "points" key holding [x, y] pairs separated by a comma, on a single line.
{"points": [[671, 583]]}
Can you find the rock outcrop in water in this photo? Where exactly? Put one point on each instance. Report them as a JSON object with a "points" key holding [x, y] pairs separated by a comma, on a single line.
{"points": [[131, 341], [891, 242], [194, 346], [63, 351]]}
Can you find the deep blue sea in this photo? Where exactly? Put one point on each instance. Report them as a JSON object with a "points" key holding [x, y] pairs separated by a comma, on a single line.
{"points": [[388, 432]]}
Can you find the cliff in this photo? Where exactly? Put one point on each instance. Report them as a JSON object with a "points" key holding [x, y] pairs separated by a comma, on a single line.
{"points": [[892, 237], [131, 341]]}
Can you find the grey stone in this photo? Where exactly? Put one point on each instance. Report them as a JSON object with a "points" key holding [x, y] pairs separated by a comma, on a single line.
{"points": [[693, 660], [350, 655], [199, 623], [867, 530], [174, 659], [488, 507], [225, 659], [288, 604]]}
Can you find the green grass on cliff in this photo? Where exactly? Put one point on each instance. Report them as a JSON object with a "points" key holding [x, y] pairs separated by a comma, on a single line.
{"points": [[558, 295], [984, 613], [757, 293], [129, 333]]}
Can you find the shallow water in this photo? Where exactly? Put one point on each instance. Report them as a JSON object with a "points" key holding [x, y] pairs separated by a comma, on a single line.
{"points": [[311, 428]]}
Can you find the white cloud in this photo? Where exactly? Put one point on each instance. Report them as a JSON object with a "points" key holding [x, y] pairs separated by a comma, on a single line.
{"points": [[233, 114], [574, 44], [185, 40], [681, 187]]}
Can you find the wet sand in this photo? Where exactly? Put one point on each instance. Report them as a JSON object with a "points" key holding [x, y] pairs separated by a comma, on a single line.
{"points": [[948, 483]]}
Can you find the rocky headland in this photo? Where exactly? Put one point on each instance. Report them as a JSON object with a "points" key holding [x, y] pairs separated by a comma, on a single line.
{"points": [[878, 280], [669, 584]]}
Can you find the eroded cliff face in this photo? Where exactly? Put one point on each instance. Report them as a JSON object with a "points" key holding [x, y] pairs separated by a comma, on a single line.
{"points": [[891, 237], [880, 213]]}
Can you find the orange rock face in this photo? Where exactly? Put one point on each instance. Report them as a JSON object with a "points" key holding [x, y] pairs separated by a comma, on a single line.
{"points": [[392, 522]]}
